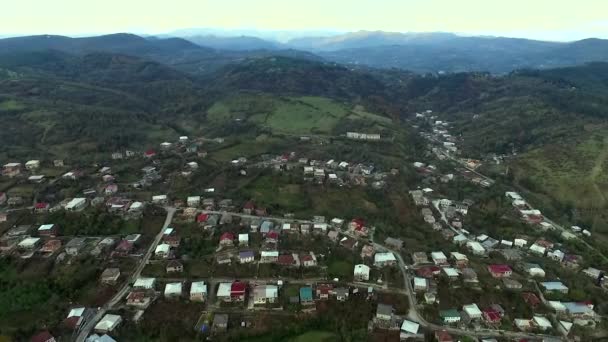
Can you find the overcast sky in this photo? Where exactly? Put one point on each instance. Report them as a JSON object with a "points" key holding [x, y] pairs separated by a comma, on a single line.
{"points": [[539, 19]]}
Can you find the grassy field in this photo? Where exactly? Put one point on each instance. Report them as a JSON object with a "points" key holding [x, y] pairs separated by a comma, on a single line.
{"points": [[290, 115], [573, 173]]}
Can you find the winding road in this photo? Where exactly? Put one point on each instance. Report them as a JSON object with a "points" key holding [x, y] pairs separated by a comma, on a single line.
{"points": [[90, 324]]}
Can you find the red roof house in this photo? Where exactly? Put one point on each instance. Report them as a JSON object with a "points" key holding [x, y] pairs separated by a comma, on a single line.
{"points": [[324, 290], [500, 271], [286, 260], [531, 299], [272, 237], [238, 290], [150, 153], [227, 239], [248, 208], [201, 218], [124, 247], [428, 271], [491, 315], [41, 207]]}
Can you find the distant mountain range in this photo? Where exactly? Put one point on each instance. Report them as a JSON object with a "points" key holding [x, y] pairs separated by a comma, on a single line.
{"points": [[427, 52], [202, 51]]}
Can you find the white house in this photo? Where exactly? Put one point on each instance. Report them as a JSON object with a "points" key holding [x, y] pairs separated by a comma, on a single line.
{"points": [[108, 323], [173, 290], [439, 258], [144, 283], [472, 310], [384, 259], [361, 272], [76, 204], [194, 201], [476, 247]]}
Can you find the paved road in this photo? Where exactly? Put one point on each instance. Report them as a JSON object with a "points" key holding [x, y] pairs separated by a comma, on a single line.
{"points": [[86, 330], [252, 217]]}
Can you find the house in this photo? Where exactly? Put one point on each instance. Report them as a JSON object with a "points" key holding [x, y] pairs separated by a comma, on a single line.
{"points": [[74, 246], [384, 259], [538, 249], [306, 295], [248, 208], [554, 286], [124, 248], [439, 258], [460, 239], [244, 239], [238, 291], [75, 318], [287, 260], [272, 237], [460, 259], [223, 292], [11, 170], [361, 272], [108, 323], [420, 258], [492, 316], [173, 290], [472, 311], [582, 311], [323, 291], [51, 246], [266, 227], [420, 284], [572, 261], [227, 240], [320, 228], [76, 204], [408, 328], [3, 217], [48, 230], [29, 243], [41, 207], [384, 312], [138, 299], [308, 260], [265, 294], [594, 273], [198, 291], [451, 273], [342, 294], [174, 266], [511, 284], [43, 336], [3, 198], [523, 324], [160, 199], [220, 322], [110, 276], [267, 257], [469, 275], [193, 201], [520, 242], [534, 270], [430, 298], [531, 299], [246, 257], [111, 189], [162, 250], [556, 255], [428, 271], [223, 258], [144, 283], [542, 323], [500, 271], [450, 316]]}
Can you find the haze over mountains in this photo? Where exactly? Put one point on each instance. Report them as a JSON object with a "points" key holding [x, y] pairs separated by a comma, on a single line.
{"points": [[417, 52], [427, 52]]}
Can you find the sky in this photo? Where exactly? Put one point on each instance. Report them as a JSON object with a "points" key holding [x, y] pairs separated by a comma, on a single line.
{"points": [[561, 20]]}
